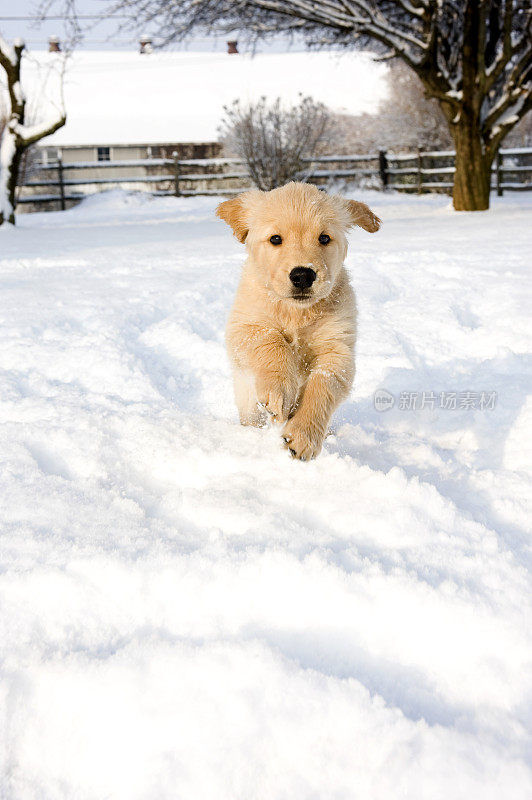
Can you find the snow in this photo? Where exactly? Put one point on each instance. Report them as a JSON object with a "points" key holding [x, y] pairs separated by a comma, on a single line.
{"points": [[187, 612], [7, 153], [7, 51], [128, 98]]}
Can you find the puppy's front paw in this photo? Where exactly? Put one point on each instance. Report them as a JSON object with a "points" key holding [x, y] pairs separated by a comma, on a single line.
{"points": [[276, 397], [303, 441]]}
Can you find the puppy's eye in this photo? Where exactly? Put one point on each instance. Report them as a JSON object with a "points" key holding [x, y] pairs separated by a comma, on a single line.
{"points": [[324, 238], [276, 239]]}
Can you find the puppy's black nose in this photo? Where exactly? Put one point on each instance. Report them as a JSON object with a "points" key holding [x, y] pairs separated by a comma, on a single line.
{"points": [[302, 277]]}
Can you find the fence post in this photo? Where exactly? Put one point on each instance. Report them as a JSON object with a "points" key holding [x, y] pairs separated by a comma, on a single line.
{"points": [[498, 174], [177, 191], [383, 168], [419, 175], [61, 182]]}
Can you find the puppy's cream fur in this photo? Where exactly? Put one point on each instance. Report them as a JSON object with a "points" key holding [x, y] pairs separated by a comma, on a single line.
{"points": [[293, 358]]}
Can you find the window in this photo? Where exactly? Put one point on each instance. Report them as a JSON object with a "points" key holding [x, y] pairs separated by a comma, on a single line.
{"points": [[104, 153], [49, 155]]}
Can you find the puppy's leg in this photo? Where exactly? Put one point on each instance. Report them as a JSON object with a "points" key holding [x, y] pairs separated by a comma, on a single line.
{"points": [[328, 384], [246, 399], [266, 354]]}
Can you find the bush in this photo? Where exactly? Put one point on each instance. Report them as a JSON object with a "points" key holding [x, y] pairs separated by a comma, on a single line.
{"points": [[273, 140]]}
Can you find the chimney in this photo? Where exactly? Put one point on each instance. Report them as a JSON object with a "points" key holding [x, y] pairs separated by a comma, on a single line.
{"points": [[232, 47], [146, 44], [54, 44]]}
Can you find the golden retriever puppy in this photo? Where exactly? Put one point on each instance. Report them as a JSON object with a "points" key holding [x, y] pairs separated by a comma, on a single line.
{"points": [[291, 332]]}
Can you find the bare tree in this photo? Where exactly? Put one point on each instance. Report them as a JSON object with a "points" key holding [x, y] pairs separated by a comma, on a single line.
{"points": [[408, 118], [473, 56], [17, 136], [404, 120], [273, 139]]}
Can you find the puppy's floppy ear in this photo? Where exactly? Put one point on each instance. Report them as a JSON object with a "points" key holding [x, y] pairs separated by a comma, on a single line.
{"points": [[363, 216], [234, 213]]}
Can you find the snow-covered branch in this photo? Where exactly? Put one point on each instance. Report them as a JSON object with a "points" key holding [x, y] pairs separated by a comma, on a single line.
{"points": [[507, 113], [506, 48], [417, 9], [517, 87], [357, 16], [7, 54], [29, 134], [508, 121]]}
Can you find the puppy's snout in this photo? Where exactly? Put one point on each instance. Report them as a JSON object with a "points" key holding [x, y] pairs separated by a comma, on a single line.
{"points": [[302, 277]]}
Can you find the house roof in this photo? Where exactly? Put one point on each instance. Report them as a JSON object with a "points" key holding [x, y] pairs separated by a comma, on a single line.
{"points": [[129, 98]]}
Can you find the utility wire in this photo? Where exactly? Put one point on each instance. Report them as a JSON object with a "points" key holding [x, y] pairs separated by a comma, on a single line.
{"points": [[45, 19]]}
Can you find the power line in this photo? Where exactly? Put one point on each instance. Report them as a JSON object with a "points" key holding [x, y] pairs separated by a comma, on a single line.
{"points": [[88, 41], [46, 19]]}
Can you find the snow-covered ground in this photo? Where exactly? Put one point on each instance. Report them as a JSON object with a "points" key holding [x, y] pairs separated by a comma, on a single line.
{"points": [[188, 613]]}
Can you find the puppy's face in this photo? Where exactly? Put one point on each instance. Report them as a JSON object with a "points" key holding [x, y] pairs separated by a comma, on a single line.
{"points": [[295, 237]]}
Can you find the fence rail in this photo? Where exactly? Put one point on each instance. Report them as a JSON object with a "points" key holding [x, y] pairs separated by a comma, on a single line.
{"points": [[422, 171]]}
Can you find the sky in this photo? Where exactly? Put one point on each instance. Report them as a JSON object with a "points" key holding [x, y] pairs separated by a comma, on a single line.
{"points": [[102, 36]]}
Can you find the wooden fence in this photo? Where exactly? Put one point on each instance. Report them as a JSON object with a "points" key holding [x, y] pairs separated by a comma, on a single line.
{"points": [[410, 172]]}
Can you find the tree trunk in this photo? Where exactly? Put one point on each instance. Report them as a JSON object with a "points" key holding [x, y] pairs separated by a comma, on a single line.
{"points": [[10, 158], [16, 137], [472, 177]]}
